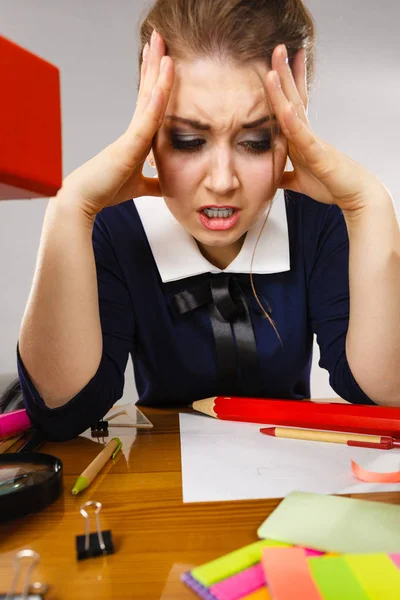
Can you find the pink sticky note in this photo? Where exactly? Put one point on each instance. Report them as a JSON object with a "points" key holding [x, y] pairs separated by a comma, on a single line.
{"points": [[239, 585], [396, 559]]}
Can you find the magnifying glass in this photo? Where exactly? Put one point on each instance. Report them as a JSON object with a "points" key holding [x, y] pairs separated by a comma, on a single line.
{"points": [[28, 482]]}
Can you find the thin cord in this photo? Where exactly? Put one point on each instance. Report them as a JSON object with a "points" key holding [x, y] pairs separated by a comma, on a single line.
{"points": [[251, 277]]}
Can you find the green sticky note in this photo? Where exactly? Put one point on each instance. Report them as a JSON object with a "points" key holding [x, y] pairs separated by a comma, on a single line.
{"points": [[378, 575], [231, 563], [334, 524], [335, 579]]}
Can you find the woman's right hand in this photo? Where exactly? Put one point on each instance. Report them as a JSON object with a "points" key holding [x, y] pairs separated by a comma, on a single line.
{"points": [[115, 174]]}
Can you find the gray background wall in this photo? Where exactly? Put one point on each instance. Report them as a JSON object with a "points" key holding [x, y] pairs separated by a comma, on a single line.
{"points": [[355, 105]]}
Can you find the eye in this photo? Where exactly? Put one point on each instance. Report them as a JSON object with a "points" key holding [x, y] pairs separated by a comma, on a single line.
{"points": [[192, 145], [195, 144], [257, 147]]}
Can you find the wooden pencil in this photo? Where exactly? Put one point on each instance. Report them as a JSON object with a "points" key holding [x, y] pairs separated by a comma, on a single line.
{"points": [[367, 419]]}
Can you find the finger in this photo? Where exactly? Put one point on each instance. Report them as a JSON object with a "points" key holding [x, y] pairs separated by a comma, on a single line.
{"points": [[300, 75], [165, 83], [145, 123], [145, 58], [321, 158], [280, 64], [156, 52]]}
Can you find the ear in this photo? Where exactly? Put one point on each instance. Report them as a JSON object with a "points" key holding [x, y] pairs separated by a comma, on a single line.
{"points": [[150, 159]]}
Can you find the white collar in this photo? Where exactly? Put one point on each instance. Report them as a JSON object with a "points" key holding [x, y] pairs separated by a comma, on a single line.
{"points": [[177, 255]]}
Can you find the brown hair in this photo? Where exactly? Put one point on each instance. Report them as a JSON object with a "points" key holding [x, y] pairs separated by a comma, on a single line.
{"points": [[238, 31]]}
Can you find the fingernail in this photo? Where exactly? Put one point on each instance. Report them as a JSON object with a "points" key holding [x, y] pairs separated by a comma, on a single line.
{"points": [[285, 54], [153, 37], [145, 52]]}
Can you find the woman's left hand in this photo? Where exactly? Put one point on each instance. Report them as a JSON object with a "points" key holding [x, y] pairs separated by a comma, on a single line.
{"points": [[320, 170]]}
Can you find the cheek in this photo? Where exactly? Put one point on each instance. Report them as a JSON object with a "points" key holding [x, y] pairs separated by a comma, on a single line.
{"points": [[178, 173], [178, 178], [263, 174]]}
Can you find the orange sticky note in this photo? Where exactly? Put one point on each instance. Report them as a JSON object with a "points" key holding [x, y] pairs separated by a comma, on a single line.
{"points": [[288, 575], [261, 594], [372, 477]]}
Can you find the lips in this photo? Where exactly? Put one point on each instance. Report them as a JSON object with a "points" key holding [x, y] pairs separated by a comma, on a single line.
{"points": [[209, 218]]}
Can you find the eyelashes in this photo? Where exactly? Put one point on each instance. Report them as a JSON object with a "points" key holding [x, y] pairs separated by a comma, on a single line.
{"points": [[196, 144]]}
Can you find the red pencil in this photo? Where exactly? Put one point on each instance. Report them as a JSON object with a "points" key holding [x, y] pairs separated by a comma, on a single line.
{"points": [[354, 418]]}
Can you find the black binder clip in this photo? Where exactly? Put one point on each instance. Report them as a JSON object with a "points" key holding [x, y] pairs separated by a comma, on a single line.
{"points": [[99, 429], [93, 544], [30, 591]]}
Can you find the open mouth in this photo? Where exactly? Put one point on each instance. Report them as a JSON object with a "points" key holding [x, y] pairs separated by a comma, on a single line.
{"points": [[218, 213], [218, 217]]}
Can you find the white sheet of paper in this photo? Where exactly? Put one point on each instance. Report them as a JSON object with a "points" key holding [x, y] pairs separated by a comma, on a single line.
{"points": [[227, 460]]}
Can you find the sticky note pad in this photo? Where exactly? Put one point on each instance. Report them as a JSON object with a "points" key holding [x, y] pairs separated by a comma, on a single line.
{"points": [[334, 524], [239, 585], [288, 574], [336, 580], [261, 594], [230, 564], [378, 575]]}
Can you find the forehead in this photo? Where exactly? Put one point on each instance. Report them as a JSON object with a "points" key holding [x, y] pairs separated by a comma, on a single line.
{"points": [[218, 93]]}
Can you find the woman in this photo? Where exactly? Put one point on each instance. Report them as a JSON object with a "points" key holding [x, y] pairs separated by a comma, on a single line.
{"points": [[167, 276]]}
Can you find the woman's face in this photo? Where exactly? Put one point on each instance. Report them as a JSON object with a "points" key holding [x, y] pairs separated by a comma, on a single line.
{"points": [[214, 165]]}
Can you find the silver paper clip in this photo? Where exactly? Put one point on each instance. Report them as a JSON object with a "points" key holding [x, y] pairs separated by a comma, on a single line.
{"points": [[30, 591], [93, 544]]}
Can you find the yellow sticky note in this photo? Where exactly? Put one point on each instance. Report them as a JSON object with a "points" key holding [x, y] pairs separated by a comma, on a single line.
{"points": [[377, 574]]}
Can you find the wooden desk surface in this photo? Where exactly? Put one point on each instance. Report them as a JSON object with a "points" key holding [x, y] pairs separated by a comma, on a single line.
{"points": [[157, 537]]}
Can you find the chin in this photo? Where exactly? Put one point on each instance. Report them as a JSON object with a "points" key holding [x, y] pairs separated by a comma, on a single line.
{"points": [[218, 239]]}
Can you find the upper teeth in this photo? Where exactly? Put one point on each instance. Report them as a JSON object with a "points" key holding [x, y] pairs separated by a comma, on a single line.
{"points": [[218, 212]]}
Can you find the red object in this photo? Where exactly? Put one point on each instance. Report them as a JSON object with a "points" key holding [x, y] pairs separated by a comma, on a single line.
{"points": [[30, 124], [387, 443], [351, 418], [268, 431]]}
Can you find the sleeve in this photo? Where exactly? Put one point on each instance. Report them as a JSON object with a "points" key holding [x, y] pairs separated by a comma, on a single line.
{"points": [[106, 387], [329, 302]]}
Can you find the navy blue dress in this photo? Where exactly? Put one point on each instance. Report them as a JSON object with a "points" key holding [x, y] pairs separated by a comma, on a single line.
{"points": [[205, 335]]}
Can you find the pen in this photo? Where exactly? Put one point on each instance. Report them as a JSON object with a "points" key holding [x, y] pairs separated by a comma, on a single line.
{"points": [[86, 478], [351, 439]]}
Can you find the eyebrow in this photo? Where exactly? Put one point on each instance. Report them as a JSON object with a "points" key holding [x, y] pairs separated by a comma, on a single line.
{"points": [[205, 127]]}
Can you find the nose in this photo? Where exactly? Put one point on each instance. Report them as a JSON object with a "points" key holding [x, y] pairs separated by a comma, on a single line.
{"points": [[221, 177]]}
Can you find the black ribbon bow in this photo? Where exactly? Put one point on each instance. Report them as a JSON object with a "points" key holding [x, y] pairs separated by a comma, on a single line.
{"points": [[237, 361]]}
